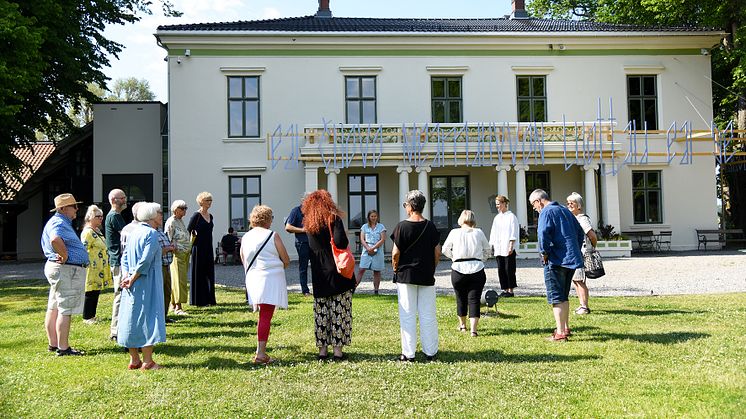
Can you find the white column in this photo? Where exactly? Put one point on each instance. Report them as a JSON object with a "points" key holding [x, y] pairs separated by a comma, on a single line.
{"points": [[331, 183], [502, 180], [610, 199], [312, 178], [404, 172], [422, 185], [589, 200], [521, 205]]}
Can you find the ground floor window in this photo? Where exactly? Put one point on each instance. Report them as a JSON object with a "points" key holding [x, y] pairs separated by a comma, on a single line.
{"points": [[245, 192], [449, 196], [536, 180], [362, 196], [646, 197]]}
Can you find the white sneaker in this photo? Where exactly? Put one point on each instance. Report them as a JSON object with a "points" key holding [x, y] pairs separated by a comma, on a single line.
{"points": [[91, 321]]}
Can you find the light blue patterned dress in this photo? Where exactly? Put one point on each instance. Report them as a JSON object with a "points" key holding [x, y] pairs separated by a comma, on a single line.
{"points": [[372, 236], [141, 314]]}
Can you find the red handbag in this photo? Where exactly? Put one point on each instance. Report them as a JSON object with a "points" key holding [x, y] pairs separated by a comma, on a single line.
{"points": [[344, 258]]}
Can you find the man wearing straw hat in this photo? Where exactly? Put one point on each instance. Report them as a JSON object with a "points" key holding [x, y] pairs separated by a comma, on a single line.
{"points": [[65, 270]]}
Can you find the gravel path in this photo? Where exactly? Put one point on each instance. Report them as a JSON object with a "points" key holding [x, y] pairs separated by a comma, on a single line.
{"points": [[665, 274]]}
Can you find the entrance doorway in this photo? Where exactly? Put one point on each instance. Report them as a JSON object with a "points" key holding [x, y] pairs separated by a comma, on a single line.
{"points": [[449, 195]]}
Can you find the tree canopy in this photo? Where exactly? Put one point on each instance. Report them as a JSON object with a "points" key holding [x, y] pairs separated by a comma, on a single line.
{"points": [[50, 51]]}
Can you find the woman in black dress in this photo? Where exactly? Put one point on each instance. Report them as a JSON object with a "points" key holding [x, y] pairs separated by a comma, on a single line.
{"points": [[202, 290], [332, 292]]}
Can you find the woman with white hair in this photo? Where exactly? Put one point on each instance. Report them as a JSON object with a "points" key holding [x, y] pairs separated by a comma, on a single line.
{"points": [[98, 272], [575, 205], [179, 235], [142, 322], [468, 248], [202, 290]]}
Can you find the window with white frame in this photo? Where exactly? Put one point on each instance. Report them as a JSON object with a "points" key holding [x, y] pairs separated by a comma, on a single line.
{"points": [[360, 99], [647, 204], [245, 192], [642, 101], [447, 101], [243, 106], [362, 195], [532, 98]]}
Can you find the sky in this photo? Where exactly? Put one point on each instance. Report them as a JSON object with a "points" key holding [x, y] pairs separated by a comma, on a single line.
{"points": [[142, 58]]}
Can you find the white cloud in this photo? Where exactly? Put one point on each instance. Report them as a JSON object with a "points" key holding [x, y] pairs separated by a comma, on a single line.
{"points": [[270, 13]]}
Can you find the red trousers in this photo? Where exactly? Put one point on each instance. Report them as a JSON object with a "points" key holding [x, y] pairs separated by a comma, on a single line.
{"points": [[265, 318]]}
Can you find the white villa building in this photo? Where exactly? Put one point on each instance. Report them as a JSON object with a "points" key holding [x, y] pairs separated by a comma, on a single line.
{"points": [[462, 109]]}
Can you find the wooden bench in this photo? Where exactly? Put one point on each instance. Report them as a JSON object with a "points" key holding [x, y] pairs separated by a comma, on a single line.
{"points": [[644, 239], [721, 236]]}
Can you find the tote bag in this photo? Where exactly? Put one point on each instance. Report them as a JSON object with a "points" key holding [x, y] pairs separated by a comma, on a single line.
{"points": [[594, 267], [343, 258]]}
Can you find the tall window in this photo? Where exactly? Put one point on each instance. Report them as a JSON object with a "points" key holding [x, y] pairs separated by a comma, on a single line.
{"points": [[642, 101], [360, 100], [446, 99], [243, 106], [532, 98], [535, 180], [362, 193], [245, 192], [646, 197]]}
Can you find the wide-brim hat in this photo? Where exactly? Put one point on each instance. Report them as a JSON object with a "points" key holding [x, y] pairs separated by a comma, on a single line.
{"points": [[64, 200]]}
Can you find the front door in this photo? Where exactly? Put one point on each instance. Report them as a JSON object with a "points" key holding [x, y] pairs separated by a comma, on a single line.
{"points": [[449, 195]]}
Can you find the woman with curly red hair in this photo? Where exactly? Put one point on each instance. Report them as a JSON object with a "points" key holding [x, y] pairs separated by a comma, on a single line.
{"points": [[332, 292]]}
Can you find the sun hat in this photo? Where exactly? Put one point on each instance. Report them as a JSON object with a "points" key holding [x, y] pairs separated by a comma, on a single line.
{"points": [[64, 200]]}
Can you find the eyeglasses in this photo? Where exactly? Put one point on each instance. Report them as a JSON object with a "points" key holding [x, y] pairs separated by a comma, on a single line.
{"points": [[570, 203], [182, 208], [98, 216], [404, 204], [534, 201]]}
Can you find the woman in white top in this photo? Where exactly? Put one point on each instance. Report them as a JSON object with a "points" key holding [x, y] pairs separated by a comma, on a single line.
{"points": [[264, 260], [575, 205], [504, 237], [468, 248]]}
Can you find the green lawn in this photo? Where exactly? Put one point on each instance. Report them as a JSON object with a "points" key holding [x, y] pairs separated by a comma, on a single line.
{"points": [[652, 356]]}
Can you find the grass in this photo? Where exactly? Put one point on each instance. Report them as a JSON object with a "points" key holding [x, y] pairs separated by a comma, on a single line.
{"points": [[650, 356]]}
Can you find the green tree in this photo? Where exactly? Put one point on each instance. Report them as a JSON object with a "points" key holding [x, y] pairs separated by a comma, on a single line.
{"points": [[131, 89], [50, 50]]}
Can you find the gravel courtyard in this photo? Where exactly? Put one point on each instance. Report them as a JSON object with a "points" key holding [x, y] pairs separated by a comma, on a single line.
{"points": [[663, 274]]}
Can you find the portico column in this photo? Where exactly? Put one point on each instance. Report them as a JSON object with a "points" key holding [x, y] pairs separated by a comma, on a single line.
{"points": [[312, 178], [502, 180], [404, 172], [331, 182], [610, 199], [423, 187], [520, 191], [590, 201]]}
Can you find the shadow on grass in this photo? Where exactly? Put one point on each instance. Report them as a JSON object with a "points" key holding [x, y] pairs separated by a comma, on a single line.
{"points": [[249, 323], [535, 331], [661, 338], [500, 315], [214, 334], [26, 288], [645, 313]]}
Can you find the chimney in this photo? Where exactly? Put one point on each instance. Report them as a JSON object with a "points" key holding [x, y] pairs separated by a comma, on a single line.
{"points": [[519, 10], [324, 10]]}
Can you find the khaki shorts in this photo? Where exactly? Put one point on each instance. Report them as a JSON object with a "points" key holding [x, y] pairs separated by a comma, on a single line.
{"points": [[66, 288]]}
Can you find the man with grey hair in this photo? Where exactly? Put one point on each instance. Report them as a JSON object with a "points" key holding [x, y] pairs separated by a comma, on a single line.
{"points": [[113, 229], [560, 239], [294, 224], [117, 288]]}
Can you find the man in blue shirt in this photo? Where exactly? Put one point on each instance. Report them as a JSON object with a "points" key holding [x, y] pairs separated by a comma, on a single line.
{"points": [[560, 239], [294, 224], [65, 271]]}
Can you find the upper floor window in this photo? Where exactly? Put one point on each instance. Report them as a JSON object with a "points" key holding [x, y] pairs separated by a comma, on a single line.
{"points": [[360, 100], [245, 192], [243, 106], [532, 98], [642, 101], [362, 193], [646, 197], [447, 104]]}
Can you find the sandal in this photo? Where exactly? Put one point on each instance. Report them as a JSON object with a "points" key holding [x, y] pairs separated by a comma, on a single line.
{"points": [[404, 358], [265, 360], [132, 366], [474, 334], [69, 351], [462, 328], [322, 357], [51, 348], [150, 366]]}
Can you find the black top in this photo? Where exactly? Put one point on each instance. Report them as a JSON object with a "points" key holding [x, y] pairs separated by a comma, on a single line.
{"points": [[326, 280], [417, 257], [295, 219], [228, 243]]}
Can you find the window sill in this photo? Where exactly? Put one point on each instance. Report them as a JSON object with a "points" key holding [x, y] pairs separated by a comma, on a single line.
{"points": [[644, 227], [243, 140]]}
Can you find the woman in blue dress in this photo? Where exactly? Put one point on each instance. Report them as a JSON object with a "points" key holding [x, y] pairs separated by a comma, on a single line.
{"points": [[142, 322], [372, 236]]}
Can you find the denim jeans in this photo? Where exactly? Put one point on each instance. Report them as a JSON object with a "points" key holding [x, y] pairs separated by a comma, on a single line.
{"points": [[303, 259]]}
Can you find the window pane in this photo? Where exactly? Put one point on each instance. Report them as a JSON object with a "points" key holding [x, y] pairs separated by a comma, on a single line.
{"points": [[252, 119], [454, 111], [369, 112], [538, 86], [356, 211], [353, 89], [633, 86], [236, 185], [650, 114], [654, 202], [439, 87], [235, 116], [649, 86], [524, 110], [354, 183], [234, 86], [635, 112], [454, 88], [540, 111], [251, 202], [370, 184], [251, 87], [371, 202], [653, 180], [638, 179], [638, 205], [353, 112], [252, 185], [238, 220], [439, 111], [369, 87], [524, 87]]}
